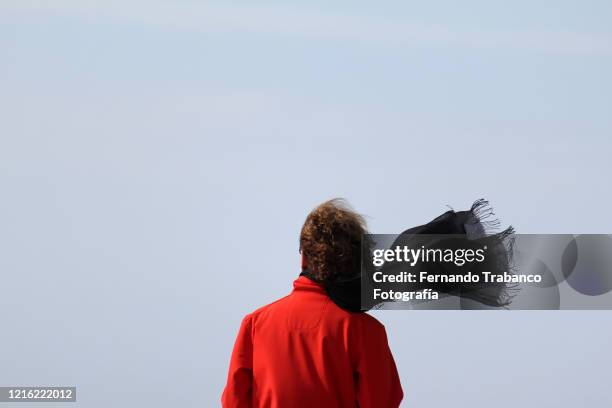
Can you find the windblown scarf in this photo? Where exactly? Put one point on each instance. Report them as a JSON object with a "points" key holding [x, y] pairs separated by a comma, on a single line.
{"points": [[469, 229]]}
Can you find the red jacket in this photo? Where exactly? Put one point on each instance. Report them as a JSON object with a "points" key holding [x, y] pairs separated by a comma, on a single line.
{"points": [[304, 351]]}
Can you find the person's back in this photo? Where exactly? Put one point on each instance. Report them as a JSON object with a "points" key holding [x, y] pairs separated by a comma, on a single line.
{"points": [[305, 351]]}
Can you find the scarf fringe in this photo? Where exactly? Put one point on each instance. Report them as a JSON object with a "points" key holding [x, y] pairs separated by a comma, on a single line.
{"points": [[483, 215]]}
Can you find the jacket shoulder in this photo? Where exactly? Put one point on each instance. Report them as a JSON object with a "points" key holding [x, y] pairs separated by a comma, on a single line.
{"points": [[367, 323], [261, 310], [362, 320]]}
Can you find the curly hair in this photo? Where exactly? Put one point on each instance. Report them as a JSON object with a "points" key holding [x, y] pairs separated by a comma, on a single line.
{"points": [[331, 240]]}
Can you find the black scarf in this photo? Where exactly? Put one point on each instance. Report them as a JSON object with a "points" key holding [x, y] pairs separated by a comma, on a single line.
{"points": [[473, 227]]}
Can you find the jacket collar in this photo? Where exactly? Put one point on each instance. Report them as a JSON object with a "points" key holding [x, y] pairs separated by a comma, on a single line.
{"points": [[302, 283]]}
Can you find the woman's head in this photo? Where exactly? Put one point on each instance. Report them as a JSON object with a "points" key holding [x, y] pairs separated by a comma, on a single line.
{"points": [[330, 240]]}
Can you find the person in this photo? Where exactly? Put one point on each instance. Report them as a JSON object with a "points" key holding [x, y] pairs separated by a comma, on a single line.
{"points": [[305, 350]]}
